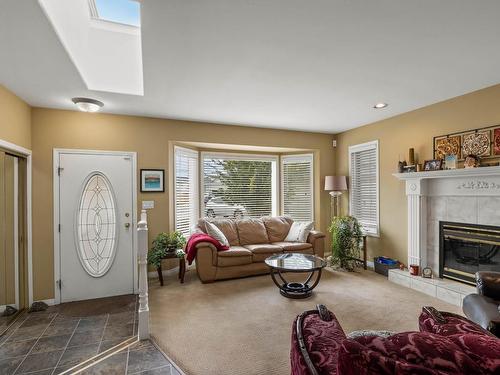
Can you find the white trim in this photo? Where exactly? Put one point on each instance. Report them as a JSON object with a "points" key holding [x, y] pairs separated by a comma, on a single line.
{"points": [[239, 156], [297, 158], [16, 230], [29, 241], [449, 173], [57, 246], [50, 302], [373, 145]]}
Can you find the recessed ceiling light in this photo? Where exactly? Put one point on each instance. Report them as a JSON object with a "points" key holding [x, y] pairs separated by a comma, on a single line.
{"points": [[380, 105], [87, 104]]}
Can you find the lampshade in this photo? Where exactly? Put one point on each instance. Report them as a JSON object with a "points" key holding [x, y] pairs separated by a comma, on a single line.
{"points": [[335, 183]]}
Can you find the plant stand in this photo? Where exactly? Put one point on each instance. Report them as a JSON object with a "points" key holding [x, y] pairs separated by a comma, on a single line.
{"points": [[182, 267], [363, 250]]}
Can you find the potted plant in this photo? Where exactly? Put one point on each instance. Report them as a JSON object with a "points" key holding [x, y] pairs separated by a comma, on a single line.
{"points": [[346, 238], [165, 243]]}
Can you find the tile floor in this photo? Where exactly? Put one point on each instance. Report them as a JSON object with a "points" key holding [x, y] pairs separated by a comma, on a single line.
{"points": [[142, 358], [50, 342]]}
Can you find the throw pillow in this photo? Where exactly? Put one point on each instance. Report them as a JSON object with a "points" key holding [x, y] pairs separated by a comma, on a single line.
{"points": [[299, 231], [216, 233]]}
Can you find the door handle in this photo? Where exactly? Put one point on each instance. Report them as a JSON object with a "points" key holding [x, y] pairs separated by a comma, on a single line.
{"points": [[127, 225]]}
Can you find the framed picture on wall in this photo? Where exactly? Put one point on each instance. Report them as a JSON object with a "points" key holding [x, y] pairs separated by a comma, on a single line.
{"points": [[152, 180]]}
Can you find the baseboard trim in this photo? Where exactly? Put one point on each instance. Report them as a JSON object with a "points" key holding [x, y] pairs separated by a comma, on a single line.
{"points": [[50, 302]]}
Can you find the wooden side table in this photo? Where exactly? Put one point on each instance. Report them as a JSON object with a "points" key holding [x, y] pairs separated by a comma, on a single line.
{"points": [[182, 267]]}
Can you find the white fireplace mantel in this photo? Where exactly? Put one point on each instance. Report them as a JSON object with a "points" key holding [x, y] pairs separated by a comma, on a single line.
{"points": [[421, 186], [450, 173]]}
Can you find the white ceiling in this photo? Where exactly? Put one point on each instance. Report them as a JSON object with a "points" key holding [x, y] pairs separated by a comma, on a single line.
{"points": [[305, 65]]}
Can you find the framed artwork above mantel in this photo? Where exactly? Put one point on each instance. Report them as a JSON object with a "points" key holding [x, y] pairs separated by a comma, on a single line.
{"points": [[481, 142]]}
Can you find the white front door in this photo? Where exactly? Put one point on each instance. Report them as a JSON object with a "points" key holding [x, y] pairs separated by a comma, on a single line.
{"points": [[96, 233]]}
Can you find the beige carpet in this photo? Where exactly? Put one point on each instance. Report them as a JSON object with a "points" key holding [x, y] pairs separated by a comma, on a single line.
{"points": [[243, 326]]}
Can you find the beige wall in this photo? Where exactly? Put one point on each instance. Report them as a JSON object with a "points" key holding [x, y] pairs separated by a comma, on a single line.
{"points": [[15, 119], [151, 139], [413, 129]]}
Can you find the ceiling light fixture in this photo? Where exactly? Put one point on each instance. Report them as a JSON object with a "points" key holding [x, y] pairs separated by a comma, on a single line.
{"points": [[87, 104], [380, 105]]}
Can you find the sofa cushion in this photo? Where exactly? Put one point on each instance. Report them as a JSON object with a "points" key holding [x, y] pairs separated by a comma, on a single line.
{"points": [[264, 248], [251, 231], [295, 246], [226, 226], [262, 251], [235, 256], [277, 227]]}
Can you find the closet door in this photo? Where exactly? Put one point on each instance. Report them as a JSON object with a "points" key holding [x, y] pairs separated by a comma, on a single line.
{"points": [[9, 250]]}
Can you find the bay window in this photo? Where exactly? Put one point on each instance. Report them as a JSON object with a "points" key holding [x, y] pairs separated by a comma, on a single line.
{"points": [[236, 185]]}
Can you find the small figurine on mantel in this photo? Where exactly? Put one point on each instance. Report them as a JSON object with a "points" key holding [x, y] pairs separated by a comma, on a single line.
{"points": [[401, 165], [471, 161], [412, 164]]}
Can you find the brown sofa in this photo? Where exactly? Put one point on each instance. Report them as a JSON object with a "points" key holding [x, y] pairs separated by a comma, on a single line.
{"points": [[251, 242]]}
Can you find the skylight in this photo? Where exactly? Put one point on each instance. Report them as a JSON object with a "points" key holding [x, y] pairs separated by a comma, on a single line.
{"points": [[127, 12]]}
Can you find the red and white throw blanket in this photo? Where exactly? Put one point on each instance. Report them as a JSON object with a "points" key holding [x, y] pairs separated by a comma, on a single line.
{"points": [[195, 239]]}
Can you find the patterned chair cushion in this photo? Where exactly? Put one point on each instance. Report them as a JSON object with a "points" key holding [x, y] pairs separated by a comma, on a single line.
{"points": [[405, 353], [322, 339], [454, 324]]}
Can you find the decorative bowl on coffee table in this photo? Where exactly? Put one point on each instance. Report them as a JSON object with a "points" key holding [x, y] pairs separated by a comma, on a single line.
{"points": [[295, 263]]}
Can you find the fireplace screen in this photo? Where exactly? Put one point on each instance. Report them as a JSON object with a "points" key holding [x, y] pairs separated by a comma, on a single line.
{"points": [[465, 249]]}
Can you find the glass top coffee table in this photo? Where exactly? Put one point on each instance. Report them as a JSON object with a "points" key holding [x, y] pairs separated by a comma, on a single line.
{"points": [[295, 262]]}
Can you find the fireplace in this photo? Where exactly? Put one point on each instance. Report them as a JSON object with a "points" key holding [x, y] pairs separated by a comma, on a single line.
{"points": [[465, 249]]}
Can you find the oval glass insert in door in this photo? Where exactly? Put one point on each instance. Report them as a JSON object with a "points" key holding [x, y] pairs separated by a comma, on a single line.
{"points": [[96, 225]]}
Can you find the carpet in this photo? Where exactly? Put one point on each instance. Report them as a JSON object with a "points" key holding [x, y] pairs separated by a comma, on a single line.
{"points": [[243, 326]]}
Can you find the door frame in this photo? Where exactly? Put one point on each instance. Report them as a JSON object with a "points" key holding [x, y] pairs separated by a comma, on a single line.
{"points": [[26, 153], [57, 245]]}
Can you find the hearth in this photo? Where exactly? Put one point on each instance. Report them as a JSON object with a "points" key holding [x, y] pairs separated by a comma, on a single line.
{"points": [[465, 249]]}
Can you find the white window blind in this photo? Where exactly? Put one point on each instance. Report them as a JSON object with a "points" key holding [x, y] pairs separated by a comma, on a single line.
{"points": [[297, 186], [186, 190], [237, 186], [364, 197]]}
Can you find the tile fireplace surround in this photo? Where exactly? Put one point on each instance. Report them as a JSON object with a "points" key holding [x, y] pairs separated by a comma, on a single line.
{"points": [[461, 195]]}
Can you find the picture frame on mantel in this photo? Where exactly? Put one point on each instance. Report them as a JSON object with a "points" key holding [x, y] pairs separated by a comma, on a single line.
{"points": [[433, 165], [152, 180]]}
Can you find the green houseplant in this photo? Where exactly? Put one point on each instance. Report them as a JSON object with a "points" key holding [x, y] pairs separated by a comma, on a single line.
{"points": [[346, 236], [165, 243]]}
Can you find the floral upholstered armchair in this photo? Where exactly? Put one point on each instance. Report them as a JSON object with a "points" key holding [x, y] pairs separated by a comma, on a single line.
{"points": [[446, 344]]}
